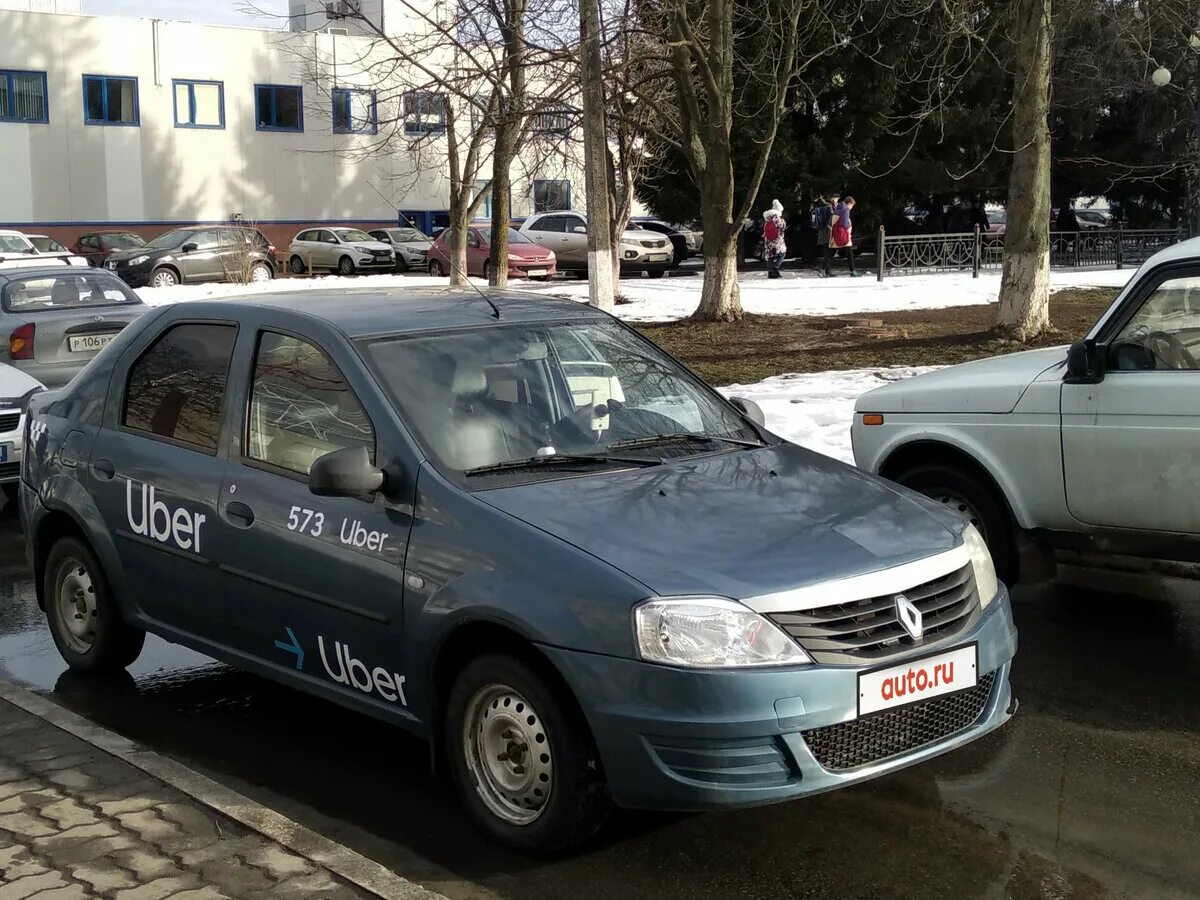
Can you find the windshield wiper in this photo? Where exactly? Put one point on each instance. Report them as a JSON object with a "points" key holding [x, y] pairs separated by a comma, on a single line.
{"points": [[559, 459], [680, 437]]}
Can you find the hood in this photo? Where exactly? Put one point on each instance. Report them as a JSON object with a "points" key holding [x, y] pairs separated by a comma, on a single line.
{"points": [[737, 524], [15, 383], [141, 251], [635, 237], [985, 386], [529, 251], [369, 245]]}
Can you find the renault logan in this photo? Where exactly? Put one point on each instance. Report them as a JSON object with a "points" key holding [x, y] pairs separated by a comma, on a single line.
{"points": [[519, 529]]}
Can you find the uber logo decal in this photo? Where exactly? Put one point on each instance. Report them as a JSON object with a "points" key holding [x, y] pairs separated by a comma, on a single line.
{"points": [[152, 518], [351, 671]]}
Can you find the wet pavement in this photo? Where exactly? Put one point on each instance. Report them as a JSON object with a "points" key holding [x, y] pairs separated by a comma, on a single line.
{"points": [[1093, 790]]}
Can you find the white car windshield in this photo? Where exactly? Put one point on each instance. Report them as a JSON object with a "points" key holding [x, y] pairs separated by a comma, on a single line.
{"points": [[352, 234], [67, 291], [14, 243], [488, 397]]}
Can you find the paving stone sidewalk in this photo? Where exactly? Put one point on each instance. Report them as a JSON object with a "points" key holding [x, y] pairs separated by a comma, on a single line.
{"points": [[78, 823]]}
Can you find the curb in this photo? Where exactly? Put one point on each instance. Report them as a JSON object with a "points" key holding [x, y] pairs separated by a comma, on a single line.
{"points": [[350, 866]]}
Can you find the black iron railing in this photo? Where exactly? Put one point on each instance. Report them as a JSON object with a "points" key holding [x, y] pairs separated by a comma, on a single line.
{"points": [[974, 251]]}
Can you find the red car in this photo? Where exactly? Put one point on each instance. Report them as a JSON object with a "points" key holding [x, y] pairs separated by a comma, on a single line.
{"points": [[97, 246], [525, 258]]}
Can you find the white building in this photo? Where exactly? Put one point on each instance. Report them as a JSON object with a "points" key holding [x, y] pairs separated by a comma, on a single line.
{"points": [[145, 124]]}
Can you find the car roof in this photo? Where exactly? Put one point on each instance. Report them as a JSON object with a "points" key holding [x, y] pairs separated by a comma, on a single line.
{"points": [[363, 312], [8, 274]]}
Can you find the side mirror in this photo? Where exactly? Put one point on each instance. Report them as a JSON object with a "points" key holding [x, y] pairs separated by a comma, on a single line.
{"points": [[189, 247], [1085, 362], [750, 410], [345, 473], [580, 229]]}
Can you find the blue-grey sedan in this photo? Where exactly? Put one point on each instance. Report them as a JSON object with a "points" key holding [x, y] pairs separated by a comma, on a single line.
{"points": [[521, 530]]}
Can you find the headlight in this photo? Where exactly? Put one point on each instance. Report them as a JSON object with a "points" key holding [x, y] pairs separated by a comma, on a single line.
{"points": [[138, 260], [550, 254], [981, 561], [711, 632]]}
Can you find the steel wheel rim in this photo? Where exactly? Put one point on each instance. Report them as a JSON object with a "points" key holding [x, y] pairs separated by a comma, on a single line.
{"points": [[164, 279], [508, 753], [75, 606], [260, 273], [962, 506]]}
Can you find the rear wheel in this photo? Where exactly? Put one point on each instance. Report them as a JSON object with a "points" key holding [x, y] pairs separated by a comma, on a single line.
{"points": [[522, 758], [974, 499], [163, 278], [261, 272], [435, 269], [345, 266], [84, 620]]}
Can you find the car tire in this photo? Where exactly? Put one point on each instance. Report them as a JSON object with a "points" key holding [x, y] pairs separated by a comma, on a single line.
{"points": [[963, 492], [435, 269], [656, 273], [545, 801], [296, 266], [345, 266], [487, 270], [401, 264], [83, 616], [261, 272], [163, 277]]}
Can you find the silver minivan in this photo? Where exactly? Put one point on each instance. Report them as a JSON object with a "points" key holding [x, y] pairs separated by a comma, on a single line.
{"points": [[341, 250]]}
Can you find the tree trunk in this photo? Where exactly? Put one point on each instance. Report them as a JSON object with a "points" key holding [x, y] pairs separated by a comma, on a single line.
{"points": [[502, 157], [1024, 309], [720, 297], [457, 242], [601, 285]]}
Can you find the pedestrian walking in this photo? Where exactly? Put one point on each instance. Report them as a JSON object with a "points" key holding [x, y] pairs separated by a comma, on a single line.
{"points": [[823, 222], [774, 246], [841, 234]]}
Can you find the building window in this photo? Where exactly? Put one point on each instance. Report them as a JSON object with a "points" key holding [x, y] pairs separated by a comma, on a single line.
{"points": [[23, 96], [278, 107], [549, 196], [556, 120], [424, 112], [199, 104], [354, 112], [110, 100], [484, 211]]}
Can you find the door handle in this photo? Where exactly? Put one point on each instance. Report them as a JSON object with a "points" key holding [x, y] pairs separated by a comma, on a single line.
{"points": [[103, 469], [239, 514]]}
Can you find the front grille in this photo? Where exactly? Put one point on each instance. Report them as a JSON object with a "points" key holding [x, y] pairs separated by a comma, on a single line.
{"points": [[876, 738], [9, 422], [381, 252], [653, 244], [868, 629]]}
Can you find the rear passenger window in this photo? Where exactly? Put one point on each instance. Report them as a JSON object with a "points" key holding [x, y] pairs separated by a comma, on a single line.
{"points": [[176, 388], [301, 407]]}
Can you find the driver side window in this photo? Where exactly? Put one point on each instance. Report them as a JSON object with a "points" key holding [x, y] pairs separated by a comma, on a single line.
{"points": [[1164, 333]]}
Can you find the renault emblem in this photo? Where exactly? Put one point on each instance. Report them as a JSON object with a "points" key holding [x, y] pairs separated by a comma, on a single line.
{"points": [[909, 617]]}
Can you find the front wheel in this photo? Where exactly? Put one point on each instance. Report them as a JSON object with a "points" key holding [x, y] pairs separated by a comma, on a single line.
{"points": [[978, 502], [296, 264], [435, 269], [84, 620], [163, 278], [345, 266], [656, 273], [522, 758]]}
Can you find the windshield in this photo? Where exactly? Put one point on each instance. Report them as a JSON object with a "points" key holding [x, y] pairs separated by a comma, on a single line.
{"points": [[352, 234], [122, 241], [997, 216], [13, 243], [408, 234], [47, 245], [493, 395], [69, 291], [514, 236], [171, 239]]}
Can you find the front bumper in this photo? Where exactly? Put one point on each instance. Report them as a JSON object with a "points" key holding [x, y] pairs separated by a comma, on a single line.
{"points": [[673, 739], [545, 268], [382, 263], [134, 276]]}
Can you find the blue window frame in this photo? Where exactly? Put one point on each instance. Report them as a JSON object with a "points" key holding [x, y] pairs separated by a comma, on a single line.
{"points": [[110, 100], [551, 195], [424, 113], [199, 104], [23, 96], [279, 107], [354, 111]]}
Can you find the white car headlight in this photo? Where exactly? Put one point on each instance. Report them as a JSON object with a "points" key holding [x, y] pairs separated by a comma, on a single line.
{"points": [[550, 254], [711, 632], [981, 561], [138, 260]]}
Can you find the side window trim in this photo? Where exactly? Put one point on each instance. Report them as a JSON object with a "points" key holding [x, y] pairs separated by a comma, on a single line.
{"points": [[122, 373], [244, 451]]}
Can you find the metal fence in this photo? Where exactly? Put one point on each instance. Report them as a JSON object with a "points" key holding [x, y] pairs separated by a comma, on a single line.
{"points": [[1108, 248]]}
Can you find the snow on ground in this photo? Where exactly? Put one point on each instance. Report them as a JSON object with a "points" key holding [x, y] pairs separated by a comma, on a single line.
{"points": [[656, 300], [815, 409]]}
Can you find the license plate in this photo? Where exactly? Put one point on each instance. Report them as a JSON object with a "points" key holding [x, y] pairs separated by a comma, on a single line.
{"points": [[89, 343], [111, 264], [658, 257], [6, 451], [536, 272], [918, 679]]}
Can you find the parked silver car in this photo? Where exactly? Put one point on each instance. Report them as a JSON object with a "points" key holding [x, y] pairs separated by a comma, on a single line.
{"points": [[565, 233], [341, 250], [58, 317], [1088, 450], [410, 246]]}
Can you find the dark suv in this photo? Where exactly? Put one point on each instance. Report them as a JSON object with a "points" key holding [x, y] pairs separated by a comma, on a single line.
{"points": [[97, 246], [199, 253]]}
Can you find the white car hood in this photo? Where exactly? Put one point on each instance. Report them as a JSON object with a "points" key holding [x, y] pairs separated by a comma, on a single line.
{"points": [[15, 383], [984, 386], [369, 245]]}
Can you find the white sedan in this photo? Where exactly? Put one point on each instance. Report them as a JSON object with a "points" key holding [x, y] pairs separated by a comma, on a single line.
{"points": [[15, 390], [1089, 449]]}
